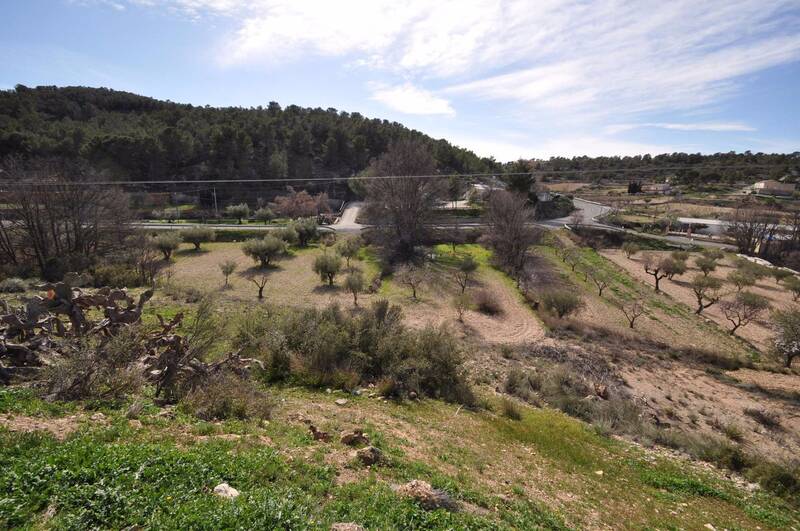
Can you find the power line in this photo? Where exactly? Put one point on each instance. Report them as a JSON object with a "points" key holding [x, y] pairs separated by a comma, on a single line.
{"points": [[380, 177]]}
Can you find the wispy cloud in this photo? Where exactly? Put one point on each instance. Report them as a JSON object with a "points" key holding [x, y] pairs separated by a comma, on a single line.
{"points": [[717, 127], [408, 99]]}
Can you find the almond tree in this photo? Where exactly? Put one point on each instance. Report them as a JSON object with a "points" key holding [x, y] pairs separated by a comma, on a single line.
{"points": [[744, 309], [633, 310], [413, 276], [658, 269], [600, 280], [706, 291]]}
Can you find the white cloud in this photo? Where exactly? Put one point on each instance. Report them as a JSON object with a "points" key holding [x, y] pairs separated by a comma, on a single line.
{"points": [[700, 126], [409, 99]]}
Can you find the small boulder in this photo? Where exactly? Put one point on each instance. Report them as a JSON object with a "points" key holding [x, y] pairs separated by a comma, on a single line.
{"points": [[369, 455], [223, 490], [135, 424], [429, 498], [341, 401], [98, 417], [318, 435], [353, 438], [135, 410], [412, 395]]}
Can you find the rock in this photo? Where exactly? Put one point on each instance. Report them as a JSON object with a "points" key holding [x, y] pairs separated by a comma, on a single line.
{"points": [[98, 417], [353, 438], [592, 398], [135, 424], [341, 401], [428, 497], [601, 391], [711, 527], [346, 526], [598, 472], [323, 436], [49, 513], [166, 414], [369, 455], [412, 395], [135, 410], [357, 392], [223, 490]]}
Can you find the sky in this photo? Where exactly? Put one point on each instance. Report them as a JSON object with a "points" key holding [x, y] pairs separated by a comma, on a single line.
{"points": [[508, 79]]}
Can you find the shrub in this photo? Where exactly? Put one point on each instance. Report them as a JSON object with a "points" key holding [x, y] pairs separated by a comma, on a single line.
{"points": [[706, 264], [793, 285], [238, 212], [227, 396], [744, 279], [116, 276], [166, 243], [198, 235], [520, 384], [265, 250], [780, 274], [288, 235], [99, 370], [13, 285], [327, 266], [510, 409], [486, 302], [461, 303], [561, 303], [464, 270]]}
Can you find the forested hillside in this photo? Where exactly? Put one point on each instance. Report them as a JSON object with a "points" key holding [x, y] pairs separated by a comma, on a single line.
{"points": [[141, 138]]}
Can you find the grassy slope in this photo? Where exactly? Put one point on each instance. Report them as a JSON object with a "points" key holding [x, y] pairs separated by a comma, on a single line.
{"points": [[543, 471]]}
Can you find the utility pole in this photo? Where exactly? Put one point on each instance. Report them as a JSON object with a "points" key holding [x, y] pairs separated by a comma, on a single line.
{"points": [[216, 211]]}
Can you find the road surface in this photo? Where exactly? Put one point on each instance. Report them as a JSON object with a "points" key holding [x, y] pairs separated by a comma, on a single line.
{"points": [[346, 224]]}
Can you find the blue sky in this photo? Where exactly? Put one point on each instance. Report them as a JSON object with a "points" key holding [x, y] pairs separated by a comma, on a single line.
{"points": [[504, 78]]}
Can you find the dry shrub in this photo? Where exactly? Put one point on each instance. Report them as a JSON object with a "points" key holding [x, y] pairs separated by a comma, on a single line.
{"points": [[768, 419], [227, 396], [561, 303], [510, 409], [486, 302], [103, 370]]}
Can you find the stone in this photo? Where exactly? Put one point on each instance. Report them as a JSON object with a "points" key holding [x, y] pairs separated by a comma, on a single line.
{"points": [[318, 435], [135, 410], [341, 401], [135, 424], [223, 490], [353, 438], [98, 417], [412, 395], [429, 498], [346, 526], [369, 455]]}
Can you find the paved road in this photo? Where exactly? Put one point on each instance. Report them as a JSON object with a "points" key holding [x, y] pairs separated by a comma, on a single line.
{"points": [[347, 224]]}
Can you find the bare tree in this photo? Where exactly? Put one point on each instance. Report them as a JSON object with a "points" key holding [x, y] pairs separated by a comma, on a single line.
{"points": [[600, 280], [464, 270], [753, 229], [403, 199], [54, 213], [413, 276], [657, 268], [260, 283], [787, 342], [744, 309], [632, 311], [511, 231]]}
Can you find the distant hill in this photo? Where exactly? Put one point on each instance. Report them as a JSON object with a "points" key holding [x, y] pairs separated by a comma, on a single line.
{"points": [[141, 138]]}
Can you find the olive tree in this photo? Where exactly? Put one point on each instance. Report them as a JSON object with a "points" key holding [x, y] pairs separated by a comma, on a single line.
{"points": [[238, 212], [306, 229], [327, 266], [355, 283], [793, 285], [264, 250], [741, 279], [198, 235], [349, 248], [745, 308], [561, 303], [166, 243], [227, 268], [780, 274], [706, 264], [264, 214]]}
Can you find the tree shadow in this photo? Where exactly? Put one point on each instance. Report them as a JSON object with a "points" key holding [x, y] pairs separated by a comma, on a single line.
{"points": [[191, 252], [325, 289], [257, 271]]}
